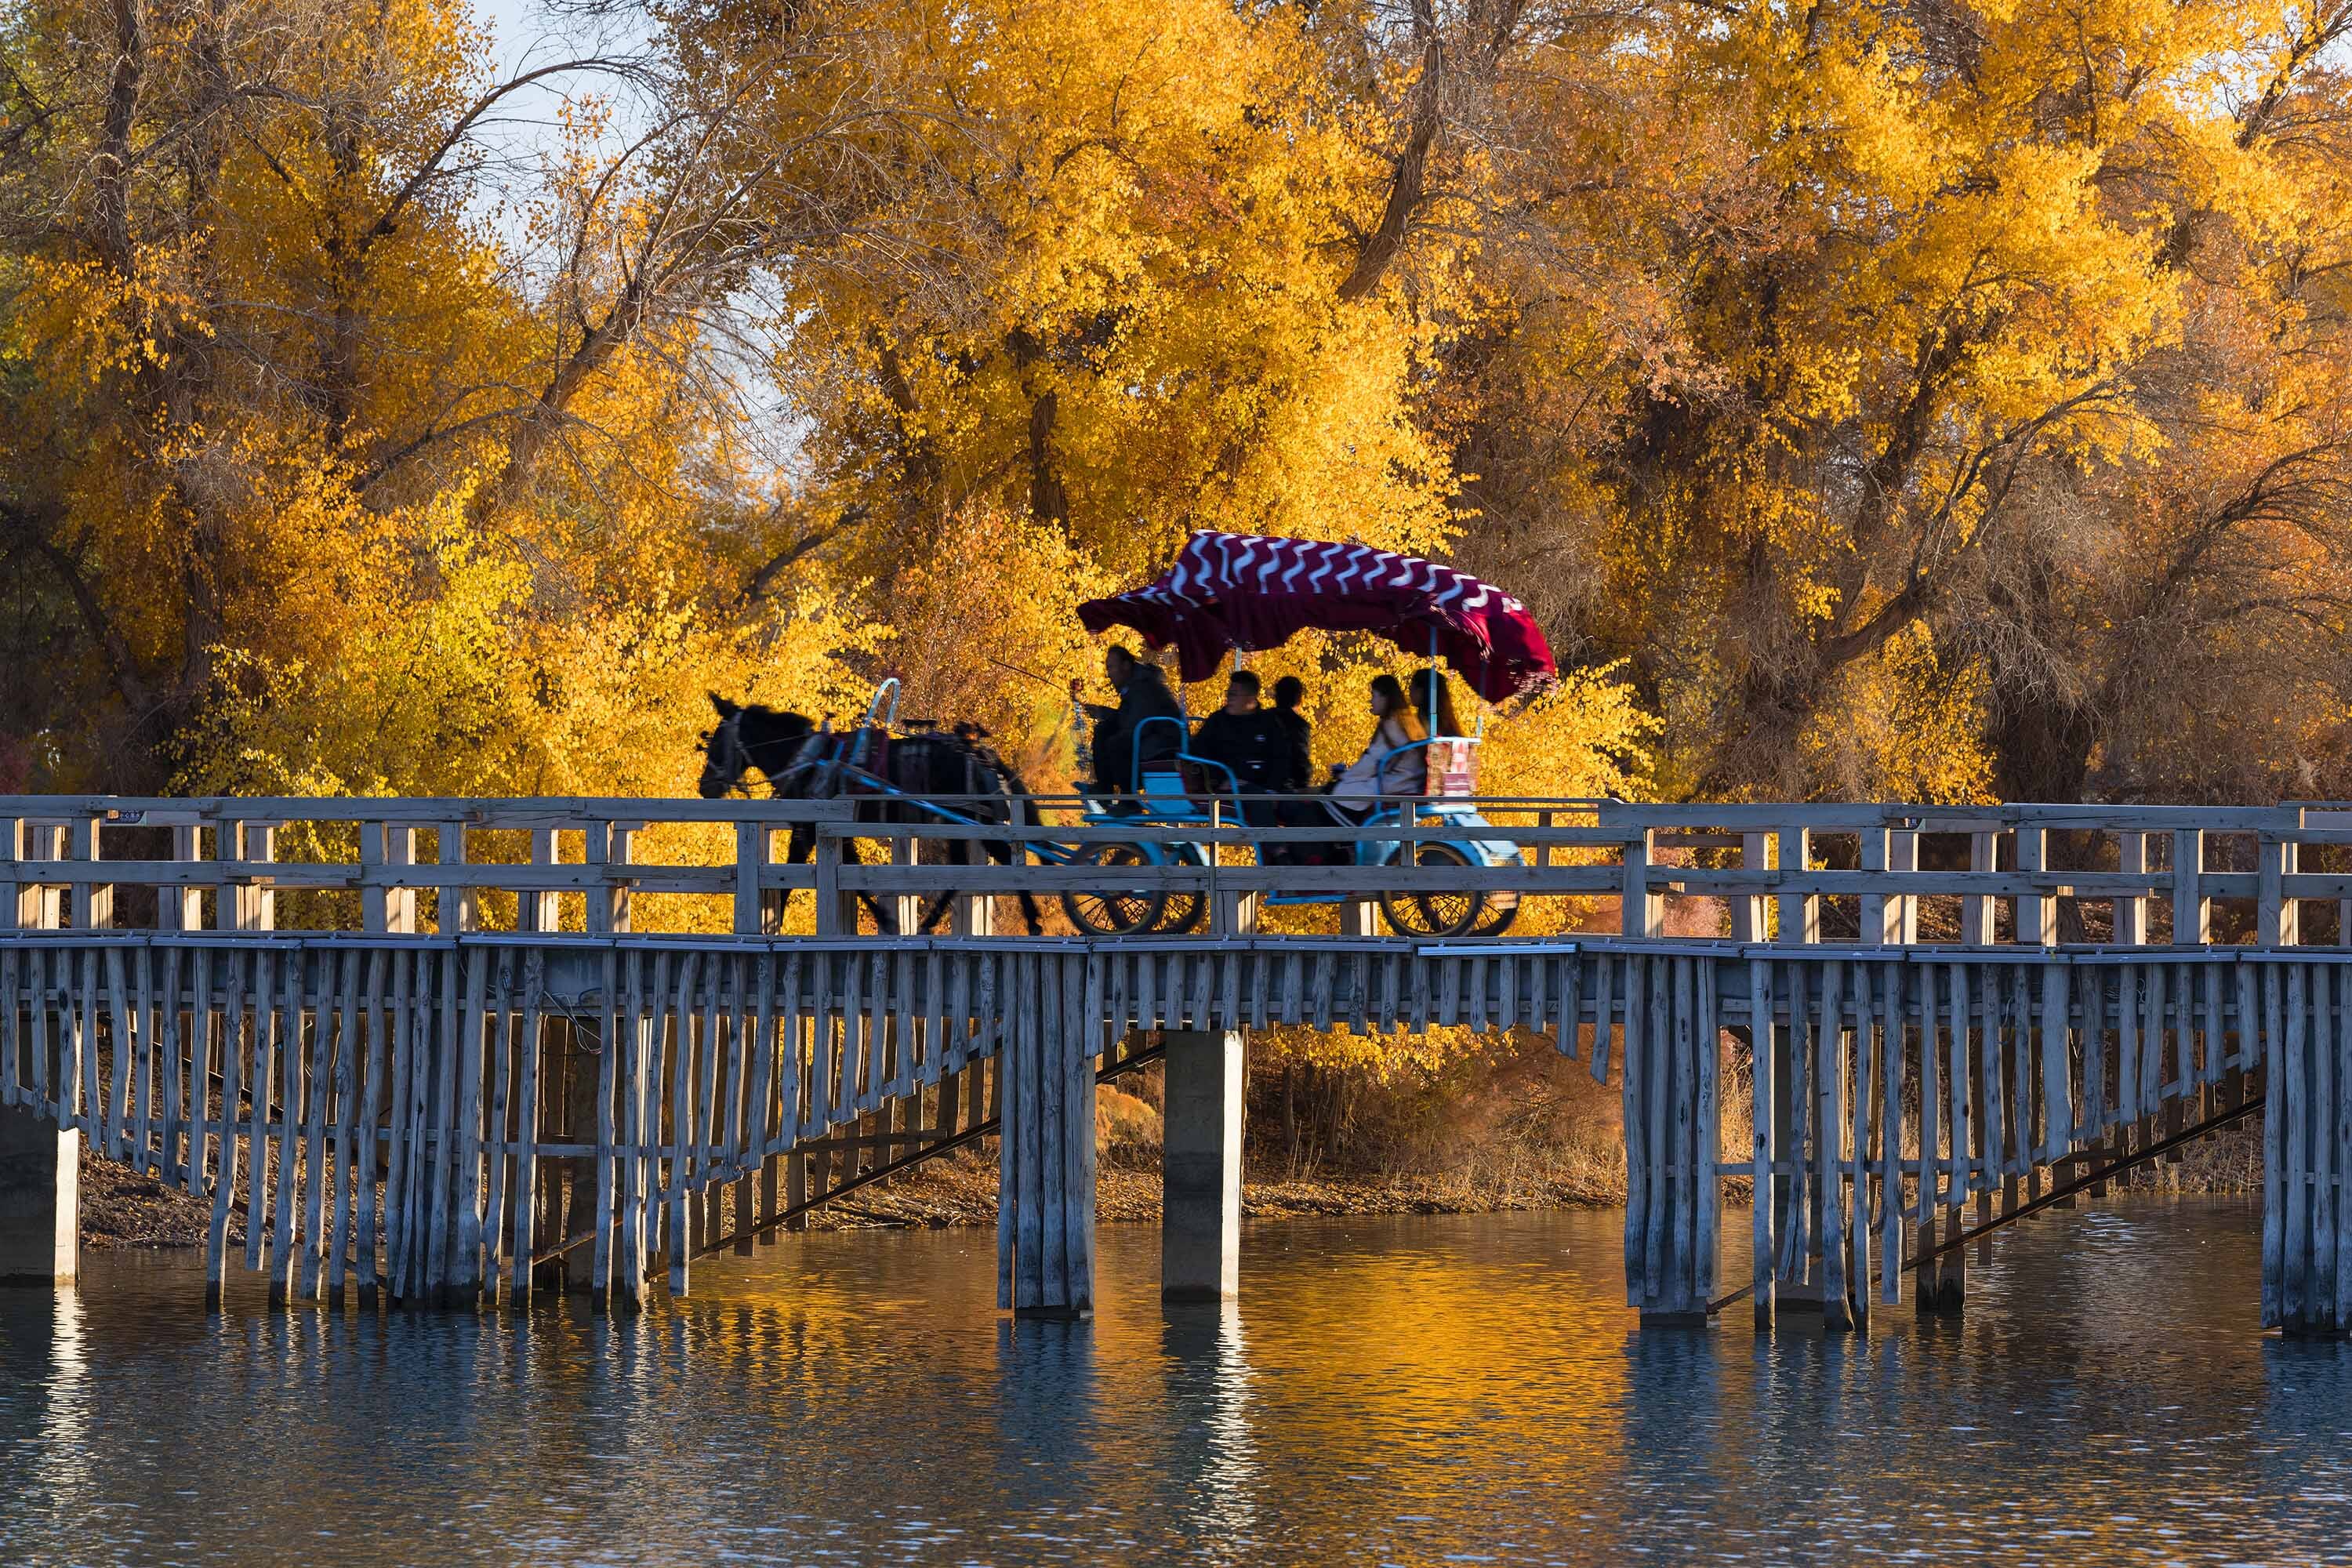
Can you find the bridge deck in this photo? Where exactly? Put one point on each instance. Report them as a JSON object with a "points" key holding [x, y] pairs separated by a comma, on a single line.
{"points": [[427, 1112]]}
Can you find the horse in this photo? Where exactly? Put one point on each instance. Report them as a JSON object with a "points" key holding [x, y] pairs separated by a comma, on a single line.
{"points": [[797, 759]]}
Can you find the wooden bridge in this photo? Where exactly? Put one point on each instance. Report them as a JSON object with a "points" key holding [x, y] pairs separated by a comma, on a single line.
{"points": [[578, 1044]]}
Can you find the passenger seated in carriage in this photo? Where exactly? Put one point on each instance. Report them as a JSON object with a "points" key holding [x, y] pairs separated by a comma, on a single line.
{"points": [[1252, 741], [1433, 699], [1299, 765], [1383, 769]]}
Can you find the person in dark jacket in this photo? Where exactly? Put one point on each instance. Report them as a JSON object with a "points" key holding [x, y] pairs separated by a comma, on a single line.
{"points": [[1250, 740], [1142, 694], [1298, 770]]}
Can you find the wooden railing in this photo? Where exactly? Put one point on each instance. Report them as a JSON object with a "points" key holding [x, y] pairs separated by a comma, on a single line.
{"points": [[1785, 874]]}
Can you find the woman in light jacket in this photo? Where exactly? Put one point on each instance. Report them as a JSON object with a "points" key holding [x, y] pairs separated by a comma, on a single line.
{"points": [[1383, 770]]}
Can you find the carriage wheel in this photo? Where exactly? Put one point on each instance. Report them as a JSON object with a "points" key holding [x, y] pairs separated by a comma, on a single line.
{"points": [[1443, 913], [1184, 912], [1499, 915], [1129, 912]]}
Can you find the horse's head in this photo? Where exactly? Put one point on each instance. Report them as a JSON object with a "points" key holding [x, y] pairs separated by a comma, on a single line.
{"points": [[724, 759], [748, 738]]}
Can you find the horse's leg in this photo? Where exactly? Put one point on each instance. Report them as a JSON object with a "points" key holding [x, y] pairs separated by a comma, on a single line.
{"points": [[958, 854], [800, 845], [1018, 854], [882, 920]]}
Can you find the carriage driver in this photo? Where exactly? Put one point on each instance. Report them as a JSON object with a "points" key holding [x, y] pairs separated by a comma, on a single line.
{"points": [[1142, 694]]}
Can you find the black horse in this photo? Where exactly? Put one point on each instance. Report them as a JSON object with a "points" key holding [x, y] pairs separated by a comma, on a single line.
{"points": [[800, 762]]}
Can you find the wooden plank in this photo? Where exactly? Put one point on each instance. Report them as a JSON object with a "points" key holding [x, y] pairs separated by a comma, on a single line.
{"points": [[1761, 1083], [527, 1045], [284, 1234], [498, 1134], [1829, 1122], [1890, 1131], [2058, 1121], [2324, 1175], [1633, 1114], [1710, 1136], [1604, 1021], [400, 1154], [1052, 1192], [2212, 1063], [1859, 1118], [371, 1109], [139, 1042], [2274, 1175], [1797, 1217], [260, 1081], [447, 1038], [612, 1050], [347, 1076], [1569, 991], [200, 1069], [1081, 1028], [240, 972], [1659, 1060], [113, 1091], [1022, 1129], [1685, 1158], [2295, 1086], [679, 1133], [2339, 1114], [466, 1273], [1932, 1103]]}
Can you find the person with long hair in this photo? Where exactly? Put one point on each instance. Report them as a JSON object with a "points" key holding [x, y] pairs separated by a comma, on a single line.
{"points": [[1386, 769], [1432, 698]]}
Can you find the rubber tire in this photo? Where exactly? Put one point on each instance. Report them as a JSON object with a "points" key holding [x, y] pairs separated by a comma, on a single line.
{"points": [[1410, 914], [1498, 916], [1098, 914]]}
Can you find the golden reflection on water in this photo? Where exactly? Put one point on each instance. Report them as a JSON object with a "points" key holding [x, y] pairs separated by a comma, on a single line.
{"points": [[1402, 1391]]}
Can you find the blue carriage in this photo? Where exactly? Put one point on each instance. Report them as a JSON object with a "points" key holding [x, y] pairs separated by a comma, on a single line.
{"points": [[1240, 592]]}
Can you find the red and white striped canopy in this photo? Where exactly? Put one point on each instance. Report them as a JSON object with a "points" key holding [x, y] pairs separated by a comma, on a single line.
{"points": [[1251, 590]]}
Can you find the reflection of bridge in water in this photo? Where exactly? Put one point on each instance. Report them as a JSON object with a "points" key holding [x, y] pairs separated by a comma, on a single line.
{"points": [[286, 1007]]}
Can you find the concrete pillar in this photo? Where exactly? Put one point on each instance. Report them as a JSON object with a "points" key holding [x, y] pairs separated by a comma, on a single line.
{"points": [[40, 1187], [1201, 1167]]}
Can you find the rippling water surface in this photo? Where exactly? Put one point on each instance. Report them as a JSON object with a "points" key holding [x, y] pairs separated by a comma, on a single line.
{"points": [[1416, 1391]]}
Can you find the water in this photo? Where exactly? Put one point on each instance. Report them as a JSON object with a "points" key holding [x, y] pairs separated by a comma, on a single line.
{"points": [[1417, 1391]]}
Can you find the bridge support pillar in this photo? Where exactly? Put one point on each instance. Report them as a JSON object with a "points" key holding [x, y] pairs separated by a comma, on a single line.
{"points": [[1201, 1167], [39, 1201]]}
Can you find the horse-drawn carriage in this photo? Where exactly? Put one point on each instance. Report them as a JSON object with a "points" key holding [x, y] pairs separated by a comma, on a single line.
{"points": [[1225, 593]]}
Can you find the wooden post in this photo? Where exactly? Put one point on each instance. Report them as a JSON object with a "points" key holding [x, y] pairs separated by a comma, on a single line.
{"points": [[539, 909], [2131, 911], [1764, 1051], [2037, 924], [1640, 911], [1747, 920], [1877, 909], [1903, 909], [1801, 913], [460, 908], [750, 860], [12, 891], [1975, 910], [2193, 913], [1889, 920], [834, 915], [906, 909], [182, 908], [93, 901], [2274, 915]]}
